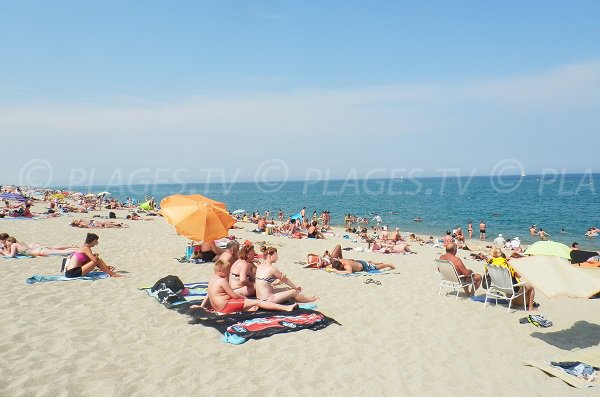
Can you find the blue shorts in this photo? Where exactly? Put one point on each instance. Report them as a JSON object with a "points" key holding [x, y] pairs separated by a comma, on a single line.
{"points": [[367, 267]]}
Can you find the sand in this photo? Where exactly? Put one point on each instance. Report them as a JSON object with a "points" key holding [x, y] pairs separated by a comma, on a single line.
{"points": [[107, 338]]}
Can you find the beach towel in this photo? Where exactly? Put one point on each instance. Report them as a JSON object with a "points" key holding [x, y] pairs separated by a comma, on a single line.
{"points": [[571, 361], [237, 328], [90, 276], [554, 276], [17, 257]]}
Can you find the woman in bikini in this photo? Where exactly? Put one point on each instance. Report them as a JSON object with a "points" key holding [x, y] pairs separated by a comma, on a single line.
{"points": [[267, 274], [12, 248], [241, 274], [84, 260]]}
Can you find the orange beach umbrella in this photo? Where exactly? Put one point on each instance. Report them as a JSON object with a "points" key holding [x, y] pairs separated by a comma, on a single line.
{"points": [[197, 217]]}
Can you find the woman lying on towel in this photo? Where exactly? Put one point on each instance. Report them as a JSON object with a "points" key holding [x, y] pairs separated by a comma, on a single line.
{"points": [[94, 224], [84, 260], [267, 275], [12, 248]]}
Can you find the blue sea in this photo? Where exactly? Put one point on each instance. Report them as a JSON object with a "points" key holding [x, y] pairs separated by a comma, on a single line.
{"points": [[508, 204]]}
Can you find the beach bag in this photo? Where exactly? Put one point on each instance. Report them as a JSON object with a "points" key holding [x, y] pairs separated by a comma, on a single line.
{"points": [[169, 282], [169, 289], [112, 215]]}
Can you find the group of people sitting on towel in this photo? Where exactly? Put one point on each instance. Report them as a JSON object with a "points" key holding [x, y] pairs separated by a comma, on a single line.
{"points": [[242, 282], [21, 210]]}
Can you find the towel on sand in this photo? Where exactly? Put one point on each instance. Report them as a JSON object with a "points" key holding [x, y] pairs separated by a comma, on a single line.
{"points": [[590, 356], [42, 278], [237, 328]]}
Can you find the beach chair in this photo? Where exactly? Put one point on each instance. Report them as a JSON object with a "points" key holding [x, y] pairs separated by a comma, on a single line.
{"points": [[451, 279], [502, 286]]}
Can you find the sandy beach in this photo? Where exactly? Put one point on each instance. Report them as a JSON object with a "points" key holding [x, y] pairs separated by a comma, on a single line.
{"points": [[107, 338]]}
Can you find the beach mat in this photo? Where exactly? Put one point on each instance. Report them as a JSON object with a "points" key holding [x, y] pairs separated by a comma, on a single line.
{"points": [[590, 356], [42, 279], [237, 328]]}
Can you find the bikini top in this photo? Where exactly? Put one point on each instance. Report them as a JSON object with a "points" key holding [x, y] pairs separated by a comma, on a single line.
{"points": [[269, 280]]}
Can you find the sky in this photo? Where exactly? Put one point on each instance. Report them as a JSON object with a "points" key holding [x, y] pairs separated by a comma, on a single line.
{"points": [[97, 92]]}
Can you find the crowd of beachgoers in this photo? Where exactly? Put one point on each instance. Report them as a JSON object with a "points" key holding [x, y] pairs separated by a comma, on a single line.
{"points": [[242, 276]]}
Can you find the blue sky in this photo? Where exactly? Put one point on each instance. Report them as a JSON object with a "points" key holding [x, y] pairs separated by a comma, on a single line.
{"points": [[104, 89]]}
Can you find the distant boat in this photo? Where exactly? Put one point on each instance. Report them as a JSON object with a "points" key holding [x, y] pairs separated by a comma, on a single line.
{"points": [[523, 174]]}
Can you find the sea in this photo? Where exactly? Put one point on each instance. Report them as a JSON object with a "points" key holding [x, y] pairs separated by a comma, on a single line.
{"points": [[565, 206]]}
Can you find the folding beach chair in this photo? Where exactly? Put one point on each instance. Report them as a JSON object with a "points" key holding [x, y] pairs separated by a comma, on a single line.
{"points": [[503, 287], [451, 279]]}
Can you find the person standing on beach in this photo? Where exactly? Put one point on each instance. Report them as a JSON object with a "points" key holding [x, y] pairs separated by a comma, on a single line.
{"points": [[378, 220], [303, 213], [470, 229], [482, 227]]}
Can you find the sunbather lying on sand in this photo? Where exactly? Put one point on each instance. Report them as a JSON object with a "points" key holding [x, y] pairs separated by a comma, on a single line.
{"points": [[12, 248], [92, 224], [399, 248], [346, 266], [223, 299]]}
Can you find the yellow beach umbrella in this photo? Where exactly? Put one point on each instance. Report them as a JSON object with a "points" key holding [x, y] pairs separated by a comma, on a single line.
{"points": [[197, 217]]}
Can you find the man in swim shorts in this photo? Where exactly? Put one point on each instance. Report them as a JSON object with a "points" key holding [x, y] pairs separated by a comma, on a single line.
{"points": [[348, 266]]}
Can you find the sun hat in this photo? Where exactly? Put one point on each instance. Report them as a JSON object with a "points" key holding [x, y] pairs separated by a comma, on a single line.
{"points": [[500, 235]]}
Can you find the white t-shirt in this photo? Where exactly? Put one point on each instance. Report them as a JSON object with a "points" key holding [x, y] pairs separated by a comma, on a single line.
{"points": [[515, 244]]}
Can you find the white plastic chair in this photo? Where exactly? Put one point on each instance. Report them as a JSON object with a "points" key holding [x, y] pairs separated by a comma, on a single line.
{"points": [[502, 286], [451, 279]]}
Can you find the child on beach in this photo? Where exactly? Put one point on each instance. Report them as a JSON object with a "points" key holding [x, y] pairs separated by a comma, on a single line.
{"points": [[223, 299]]}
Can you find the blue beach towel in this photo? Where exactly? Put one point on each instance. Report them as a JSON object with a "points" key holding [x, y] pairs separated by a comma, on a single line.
{"points": [[42, 279], [18, 257]]}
